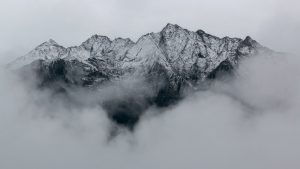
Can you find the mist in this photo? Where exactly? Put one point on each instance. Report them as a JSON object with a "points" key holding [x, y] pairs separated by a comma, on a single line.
{"points": [[249, 121], [25, 24]]}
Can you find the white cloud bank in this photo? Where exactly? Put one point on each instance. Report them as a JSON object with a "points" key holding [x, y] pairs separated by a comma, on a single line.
{"points": [[250, 122]]}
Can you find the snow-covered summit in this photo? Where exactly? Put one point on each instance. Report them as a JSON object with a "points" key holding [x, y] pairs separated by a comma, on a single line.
{"points": [[49, 50], [175, 48], [168, 62]]}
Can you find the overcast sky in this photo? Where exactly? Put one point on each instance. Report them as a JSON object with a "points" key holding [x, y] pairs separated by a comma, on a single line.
{"points": [[248, 123], [26, 24]]}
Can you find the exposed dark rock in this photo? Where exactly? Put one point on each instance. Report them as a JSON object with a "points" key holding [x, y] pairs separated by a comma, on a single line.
{"points": [[170, 61]]}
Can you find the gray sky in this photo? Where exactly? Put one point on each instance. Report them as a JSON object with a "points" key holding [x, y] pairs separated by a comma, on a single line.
{"points": [[210, 129], [26, 24]]}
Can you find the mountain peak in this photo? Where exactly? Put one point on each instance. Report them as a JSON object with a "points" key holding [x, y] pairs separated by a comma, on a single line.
{"points": [[249, 41], [97, 40], [200, 31], [51, 42], [48, 44], [170, 62], [96, 36], [170, 26], [248, 38], [182, 48]]}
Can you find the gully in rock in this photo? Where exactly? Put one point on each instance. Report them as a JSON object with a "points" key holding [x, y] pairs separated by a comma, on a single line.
{"points": [[168, 63]]}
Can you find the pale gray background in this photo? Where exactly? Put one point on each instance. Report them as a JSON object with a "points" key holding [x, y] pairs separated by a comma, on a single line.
{"points": [[27, 23], [251, 122]]}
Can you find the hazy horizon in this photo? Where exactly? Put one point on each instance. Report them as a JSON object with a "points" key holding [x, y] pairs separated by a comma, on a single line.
{"points": [[248, 119], [27, 24]]}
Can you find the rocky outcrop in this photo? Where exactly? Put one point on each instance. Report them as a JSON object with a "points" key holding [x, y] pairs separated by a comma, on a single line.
{"points": [[169, 61]]}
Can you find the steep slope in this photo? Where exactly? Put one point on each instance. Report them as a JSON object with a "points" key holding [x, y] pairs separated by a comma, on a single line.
{"points": [[169, 62], [47, 51]]}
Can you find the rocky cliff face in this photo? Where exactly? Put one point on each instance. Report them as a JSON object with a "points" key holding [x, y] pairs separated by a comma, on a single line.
{"points": [[169, 62]]}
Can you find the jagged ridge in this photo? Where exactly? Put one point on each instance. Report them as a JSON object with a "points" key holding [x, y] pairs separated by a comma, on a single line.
{"points": [[170, 61]]}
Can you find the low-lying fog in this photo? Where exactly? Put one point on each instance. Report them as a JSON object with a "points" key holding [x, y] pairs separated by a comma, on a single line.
{"points": [[251, 122]]}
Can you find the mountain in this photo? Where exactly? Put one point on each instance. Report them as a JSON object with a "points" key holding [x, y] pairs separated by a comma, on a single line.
{"points": [[169, 62]]}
